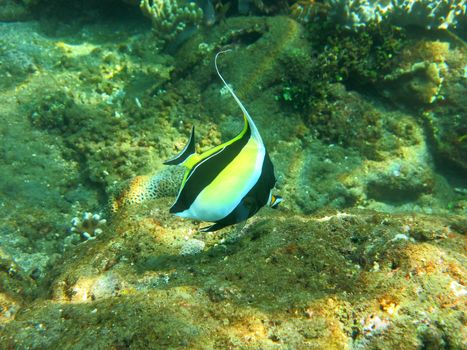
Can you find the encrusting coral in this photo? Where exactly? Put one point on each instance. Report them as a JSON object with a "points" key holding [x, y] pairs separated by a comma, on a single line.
{"points": [[192, 247], [147, 187]]}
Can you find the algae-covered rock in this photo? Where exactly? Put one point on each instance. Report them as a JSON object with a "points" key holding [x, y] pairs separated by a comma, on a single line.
{"points": [[431, 78], [14, 280], [355, 279], [14, 10]]}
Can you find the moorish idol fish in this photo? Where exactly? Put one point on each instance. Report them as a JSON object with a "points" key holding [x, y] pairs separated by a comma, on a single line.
{"points": [[229, 183]]}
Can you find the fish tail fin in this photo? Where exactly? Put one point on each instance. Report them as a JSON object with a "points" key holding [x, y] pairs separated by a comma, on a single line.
{"points": [[185, 153]]}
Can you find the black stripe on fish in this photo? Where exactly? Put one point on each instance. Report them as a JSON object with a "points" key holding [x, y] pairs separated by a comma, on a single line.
{"points": [[253, 201], [203, 173]]}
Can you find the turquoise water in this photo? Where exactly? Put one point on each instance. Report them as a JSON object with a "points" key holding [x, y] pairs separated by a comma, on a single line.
{"points": [[363, 117]]}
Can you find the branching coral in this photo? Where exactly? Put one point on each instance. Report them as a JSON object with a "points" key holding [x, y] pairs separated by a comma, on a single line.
{"points": [[170, 17], [88, 227]]}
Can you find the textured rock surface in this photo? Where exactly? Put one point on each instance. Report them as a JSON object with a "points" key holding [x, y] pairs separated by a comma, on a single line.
{"points": [[337, 281], [366, 251]]}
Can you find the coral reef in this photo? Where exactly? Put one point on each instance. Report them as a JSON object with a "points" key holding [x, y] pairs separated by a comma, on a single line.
{"points": [[358, 13], [366, 149], [430, 79], [422, 82], [356, 59], [368, 250], [39, 185], [105, 107]]}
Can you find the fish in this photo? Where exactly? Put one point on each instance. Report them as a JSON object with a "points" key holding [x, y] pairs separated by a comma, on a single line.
{"points": [[228, 183], [209, 13]]}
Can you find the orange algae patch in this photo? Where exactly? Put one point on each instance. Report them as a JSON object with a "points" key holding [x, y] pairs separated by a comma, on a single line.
{"points": [[389, 305]]}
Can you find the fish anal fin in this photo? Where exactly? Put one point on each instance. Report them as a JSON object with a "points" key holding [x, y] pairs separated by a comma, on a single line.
{"points": [[187, 151], [217, 226]]}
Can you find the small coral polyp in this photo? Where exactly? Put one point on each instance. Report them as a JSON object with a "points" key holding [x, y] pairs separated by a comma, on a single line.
{"points": [[89, 226]]}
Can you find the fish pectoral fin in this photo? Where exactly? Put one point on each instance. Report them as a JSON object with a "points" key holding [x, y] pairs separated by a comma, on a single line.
{"points": [[185, 153]]}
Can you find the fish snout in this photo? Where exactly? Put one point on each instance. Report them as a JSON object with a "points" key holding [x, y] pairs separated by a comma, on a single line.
{"points": [[275, 201]]}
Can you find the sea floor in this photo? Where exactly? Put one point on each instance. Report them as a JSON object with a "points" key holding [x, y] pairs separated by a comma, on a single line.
{"points": [[367, 251]]}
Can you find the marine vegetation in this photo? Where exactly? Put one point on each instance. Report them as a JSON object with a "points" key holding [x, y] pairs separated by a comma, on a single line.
{"points": [[357, 59]]}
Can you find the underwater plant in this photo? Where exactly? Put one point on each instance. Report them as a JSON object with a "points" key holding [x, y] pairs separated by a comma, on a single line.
{"points": [[359, 60]]}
